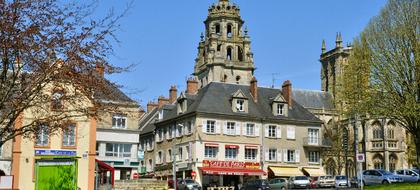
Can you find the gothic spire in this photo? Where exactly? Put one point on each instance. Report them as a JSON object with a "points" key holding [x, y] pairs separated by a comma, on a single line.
{"points": [[338, 40], [324, 47]]}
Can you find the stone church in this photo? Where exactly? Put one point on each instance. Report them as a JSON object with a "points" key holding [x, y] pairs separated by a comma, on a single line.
{"points": [[382, 140]]}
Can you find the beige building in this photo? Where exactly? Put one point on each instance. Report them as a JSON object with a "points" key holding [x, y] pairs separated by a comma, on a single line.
{"points": [[225, 129]]}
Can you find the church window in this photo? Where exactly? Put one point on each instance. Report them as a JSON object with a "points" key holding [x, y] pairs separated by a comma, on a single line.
{"points": [[229, 53], [219, 47], [240, 54], [229, 30], [217, 28]]}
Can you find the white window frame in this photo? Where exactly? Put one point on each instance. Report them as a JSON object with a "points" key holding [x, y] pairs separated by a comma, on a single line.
{"points": [[272, 154], [118, 150], [230, 128], [251, 154], [314, 157], [250, 129], [313, 136], [272, 131], [280, 109], [291, 155], [43, 136], [69, 135], [210, 152], [119, 121], [211, 126], [240, 105], [231, 153]]}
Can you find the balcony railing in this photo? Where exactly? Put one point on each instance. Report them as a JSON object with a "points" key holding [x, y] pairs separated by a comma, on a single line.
{"points": [[316, 142]]}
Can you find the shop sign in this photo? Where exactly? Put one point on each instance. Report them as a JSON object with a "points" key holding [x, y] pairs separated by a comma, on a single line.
{"points": [[55, 153], [231, 164]]}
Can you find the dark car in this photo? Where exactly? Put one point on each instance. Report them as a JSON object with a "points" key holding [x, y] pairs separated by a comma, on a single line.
{"points": [[278, 184], [259, 184]]}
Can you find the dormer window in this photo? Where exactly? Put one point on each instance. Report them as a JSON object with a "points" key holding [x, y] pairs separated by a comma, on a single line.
{"points": [[280, 109], [239, 102], [182, 104], [119, 121]]}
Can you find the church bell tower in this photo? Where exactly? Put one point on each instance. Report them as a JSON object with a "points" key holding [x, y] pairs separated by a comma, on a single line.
{"points": [[224, 52]]}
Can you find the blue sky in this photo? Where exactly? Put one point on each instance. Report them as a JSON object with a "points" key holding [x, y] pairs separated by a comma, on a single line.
{"points": [[161, 38]]}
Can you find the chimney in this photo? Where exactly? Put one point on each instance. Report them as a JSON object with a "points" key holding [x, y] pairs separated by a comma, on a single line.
{"points": [[287, 92], [254, 89], [192, 86], [150, 106], [162, 101], [173, 94], [100, 69]]}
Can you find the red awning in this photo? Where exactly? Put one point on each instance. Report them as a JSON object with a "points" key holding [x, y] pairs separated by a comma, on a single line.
{"points": [[103, 168], [230, 171], [231, 146], [251, 147], [211, 145]]}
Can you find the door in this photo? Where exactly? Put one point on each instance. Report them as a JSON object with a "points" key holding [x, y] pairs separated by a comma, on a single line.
{"points": [[401, 173], [52, 174], [377, 177], [410, 176]]}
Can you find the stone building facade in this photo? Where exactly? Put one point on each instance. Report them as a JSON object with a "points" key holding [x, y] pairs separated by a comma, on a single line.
{"points": [[382, 139]]}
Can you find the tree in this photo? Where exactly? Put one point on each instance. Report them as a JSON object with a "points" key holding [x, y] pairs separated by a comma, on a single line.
{"points": [[51, 55], [388, 49]]}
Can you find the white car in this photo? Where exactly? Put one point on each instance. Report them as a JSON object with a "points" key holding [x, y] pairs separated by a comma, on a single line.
{"points": [[408, 175], [341, 181]]}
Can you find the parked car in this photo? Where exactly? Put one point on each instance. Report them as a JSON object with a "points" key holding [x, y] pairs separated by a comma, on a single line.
{"points": [[326, 181], [188, 184], [408, 175], [354, 182], [278, 184], [341, 181], [259, 184], [372, 177], [298, 182], [314, 182]]}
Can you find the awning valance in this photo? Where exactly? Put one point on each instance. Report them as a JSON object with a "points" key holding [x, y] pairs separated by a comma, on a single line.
{"points": [[285, 171], [314, 171], [211, 145], [231, 171], [232, 146], [251, 147]]}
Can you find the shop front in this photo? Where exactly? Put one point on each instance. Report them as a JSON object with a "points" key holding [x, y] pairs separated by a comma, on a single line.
{"points": [[228, 173]]}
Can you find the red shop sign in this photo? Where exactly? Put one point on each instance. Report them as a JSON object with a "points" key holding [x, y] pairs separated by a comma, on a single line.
{"points": [[231, 164]]}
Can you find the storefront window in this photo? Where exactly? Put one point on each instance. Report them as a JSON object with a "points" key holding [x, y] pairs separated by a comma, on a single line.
{"points": [[210, 152], [272, 154], [231, 153], [250, 129], [250, 154]]}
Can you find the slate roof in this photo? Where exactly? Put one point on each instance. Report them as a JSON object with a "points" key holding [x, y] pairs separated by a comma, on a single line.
{"points": [[313, 99], [147, 123], [111, 92], [216, 98]]}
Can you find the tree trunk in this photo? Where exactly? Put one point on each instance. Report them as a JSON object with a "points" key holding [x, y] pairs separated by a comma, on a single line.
{"points": [[416, 137]]}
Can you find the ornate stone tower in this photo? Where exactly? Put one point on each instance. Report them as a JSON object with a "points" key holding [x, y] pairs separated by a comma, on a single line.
{"points": [[332, 62], [224, 52]]}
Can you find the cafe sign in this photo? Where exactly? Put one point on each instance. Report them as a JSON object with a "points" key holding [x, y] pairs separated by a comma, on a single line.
{"points": [[231, 164]]}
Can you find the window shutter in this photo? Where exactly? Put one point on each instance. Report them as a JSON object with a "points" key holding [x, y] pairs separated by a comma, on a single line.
{"points": [[293, 132], [297, 155], [267, 154], [167, 134], [257, 130], [204, 126], [244, 129], [279, 155], [177, 131], [174, 131], [238, 128], [278, 132], [266, 130], [225, 131], [218, 131], [285, 155]]}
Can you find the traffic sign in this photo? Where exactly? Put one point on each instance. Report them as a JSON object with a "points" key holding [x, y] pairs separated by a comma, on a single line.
{"points": [[360, 157]]}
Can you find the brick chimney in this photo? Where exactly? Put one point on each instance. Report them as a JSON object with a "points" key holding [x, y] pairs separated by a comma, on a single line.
{"points": [[162, 101], [173, 92], [151, 105], [254, 89], [287, 92], [192, 86]]}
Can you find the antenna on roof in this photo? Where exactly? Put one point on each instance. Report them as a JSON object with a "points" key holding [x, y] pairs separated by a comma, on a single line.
{"points": [[273, 75]]}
